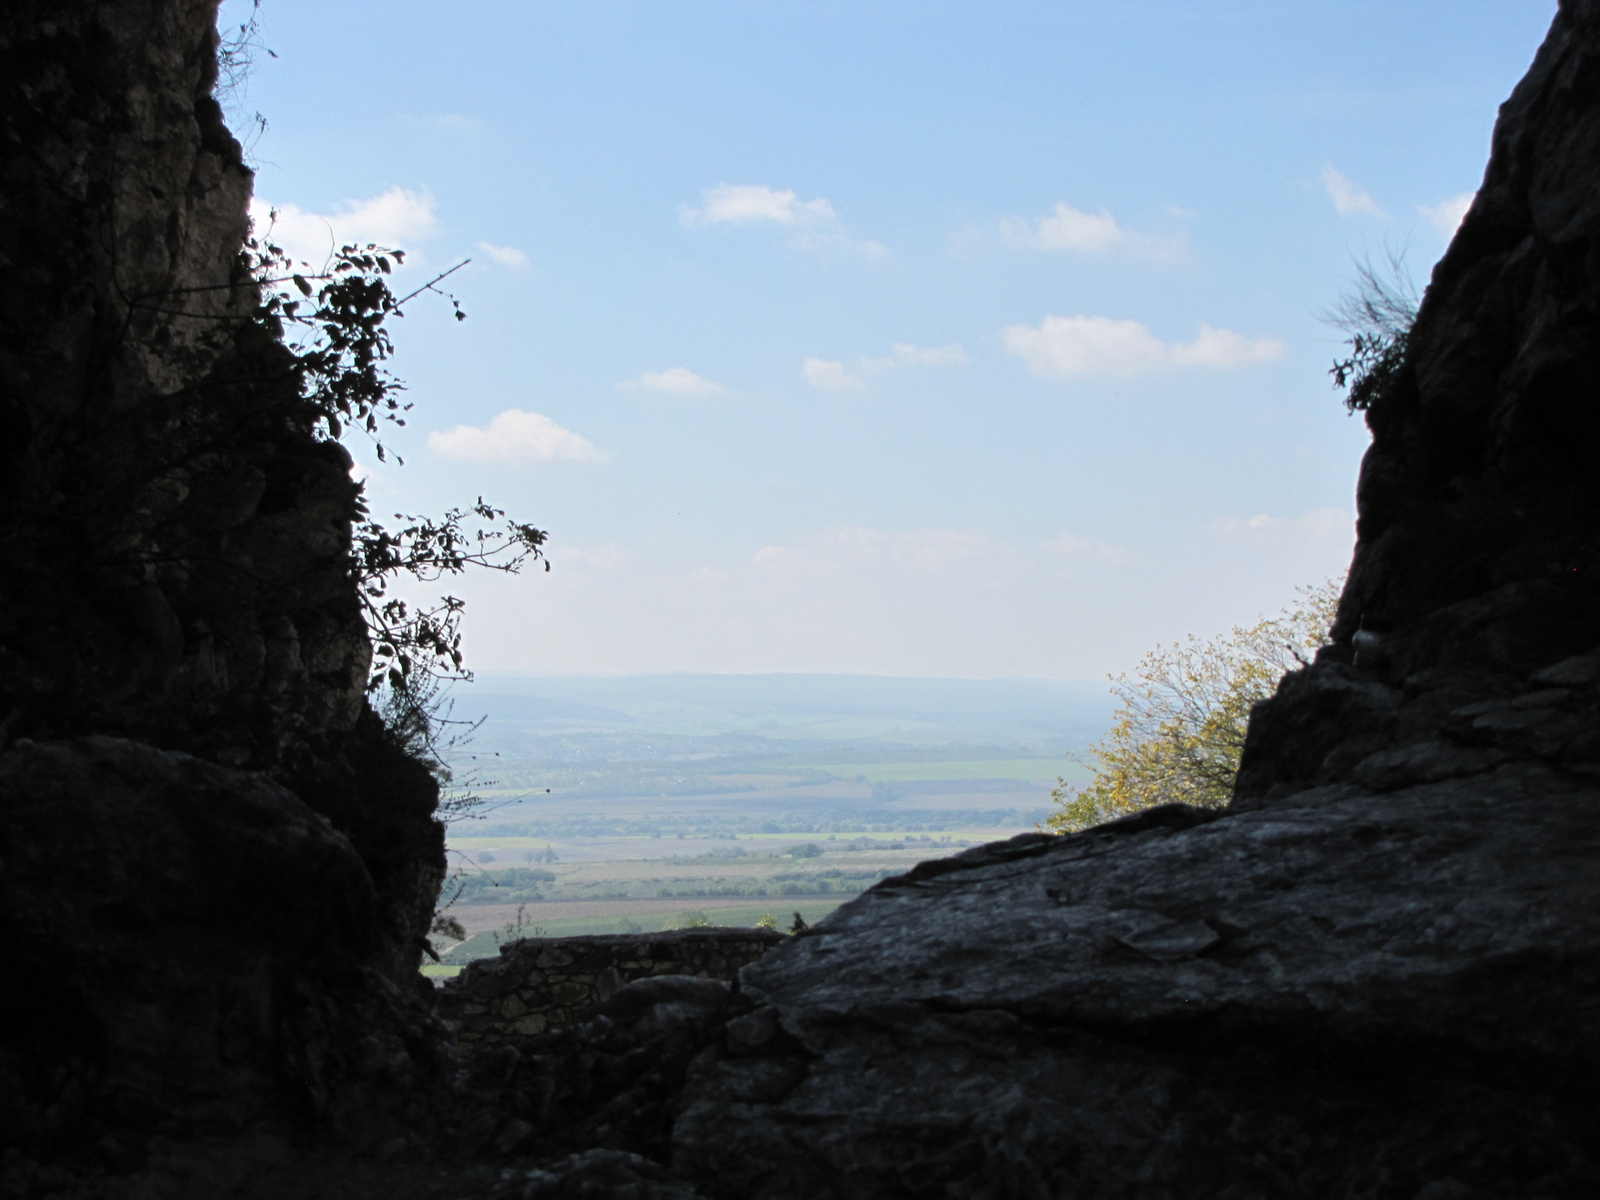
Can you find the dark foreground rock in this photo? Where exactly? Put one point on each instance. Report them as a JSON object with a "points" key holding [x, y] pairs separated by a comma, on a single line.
{"points": [[1376, 976], [1342, 996], [191, 952], [216, 863], [535, 984]]}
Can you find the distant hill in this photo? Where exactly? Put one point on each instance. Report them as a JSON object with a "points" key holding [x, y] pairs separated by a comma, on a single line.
{"points": [[555, 718]]}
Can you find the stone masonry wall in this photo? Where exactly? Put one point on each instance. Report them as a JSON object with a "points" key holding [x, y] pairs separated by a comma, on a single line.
{"points": [[539, 984]]}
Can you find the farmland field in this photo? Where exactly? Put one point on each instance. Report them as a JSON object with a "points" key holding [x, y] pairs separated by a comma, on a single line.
{"points": [[633, 805], [1042, 770]]}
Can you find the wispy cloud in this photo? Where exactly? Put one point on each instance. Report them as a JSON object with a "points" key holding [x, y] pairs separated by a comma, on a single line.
{"points": [[1073, 230], [1064, 347], [1447, 215], [1349, 199], [506, 256], [835, 376], [830, 376], [844, 548], [749, 202], [1070, 546], [821, 239], [675, 381], [515, 436], [815, 224], [1329, 529], [904, 354], [399, 218]]}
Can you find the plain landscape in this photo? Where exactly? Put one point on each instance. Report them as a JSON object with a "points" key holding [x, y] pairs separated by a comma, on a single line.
{"points": [[634, 804]]}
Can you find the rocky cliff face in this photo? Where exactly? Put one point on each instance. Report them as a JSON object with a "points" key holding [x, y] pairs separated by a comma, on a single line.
{"points": [[1478, 560], [214, 857]]}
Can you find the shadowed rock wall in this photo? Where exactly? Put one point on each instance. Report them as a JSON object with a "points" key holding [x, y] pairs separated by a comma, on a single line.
{"points": [[537, 984], [1478, 559], [217, 865]]}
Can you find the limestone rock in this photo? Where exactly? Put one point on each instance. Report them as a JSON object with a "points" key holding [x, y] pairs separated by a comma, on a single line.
{"points": [[1304, 1000]]}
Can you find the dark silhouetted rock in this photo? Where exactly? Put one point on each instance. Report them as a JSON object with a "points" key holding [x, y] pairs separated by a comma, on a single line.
{"points": [[217, 865], [1376, 976]]}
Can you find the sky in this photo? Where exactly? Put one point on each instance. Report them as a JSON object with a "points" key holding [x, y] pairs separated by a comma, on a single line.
{"points": [[909, 338]]}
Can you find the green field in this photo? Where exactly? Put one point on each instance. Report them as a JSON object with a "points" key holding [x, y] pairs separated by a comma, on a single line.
{"points": [[611, 885]]}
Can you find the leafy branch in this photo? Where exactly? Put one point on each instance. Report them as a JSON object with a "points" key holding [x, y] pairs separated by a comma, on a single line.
{"points": [[337, 319], [428, 549]]}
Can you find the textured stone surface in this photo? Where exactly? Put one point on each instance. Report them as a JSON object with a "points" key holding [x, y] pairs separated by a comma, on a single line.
{"points": [[177, 539], [203, 967], [1344, 995], [538, 984]]}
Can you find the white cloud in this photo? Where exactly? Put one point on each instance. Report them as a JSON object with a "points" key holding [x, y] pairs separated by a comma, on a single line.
{"points": [[822, 240], [456, 123], [1332, 525], [515, 436], [1349, 199], [815, 224], [397, 219], [1067, 228], [676, 381], [824, 373], [1072, 229], [832, 376], [1447, 215], [1062, 347], [506, 256], [1223, 348], [743, 202]]}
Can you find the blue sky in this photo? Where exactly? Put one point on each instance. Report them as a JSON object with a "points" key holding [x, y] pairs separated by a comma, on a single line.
{"points": [[902, 338]]}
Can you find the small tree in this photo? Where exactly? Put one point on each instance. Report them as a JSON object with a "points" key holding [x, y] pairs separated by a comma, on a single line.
{"points": [[1180, 731]]}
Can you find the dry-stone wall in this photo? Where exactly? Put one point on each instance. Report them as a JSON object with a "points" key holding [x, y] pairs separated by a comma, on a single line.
{"points": [[539, 984]]}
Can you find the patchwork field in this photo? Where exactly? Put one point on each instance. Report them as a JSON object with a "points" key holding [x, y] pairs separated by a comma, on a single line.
{"points": [[646, 803], [532, 887]]}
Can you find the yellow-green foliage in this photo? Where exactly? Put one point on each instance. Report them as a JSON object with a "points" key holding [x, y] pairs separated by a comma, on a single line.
{"points": [[1180, 730]]}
